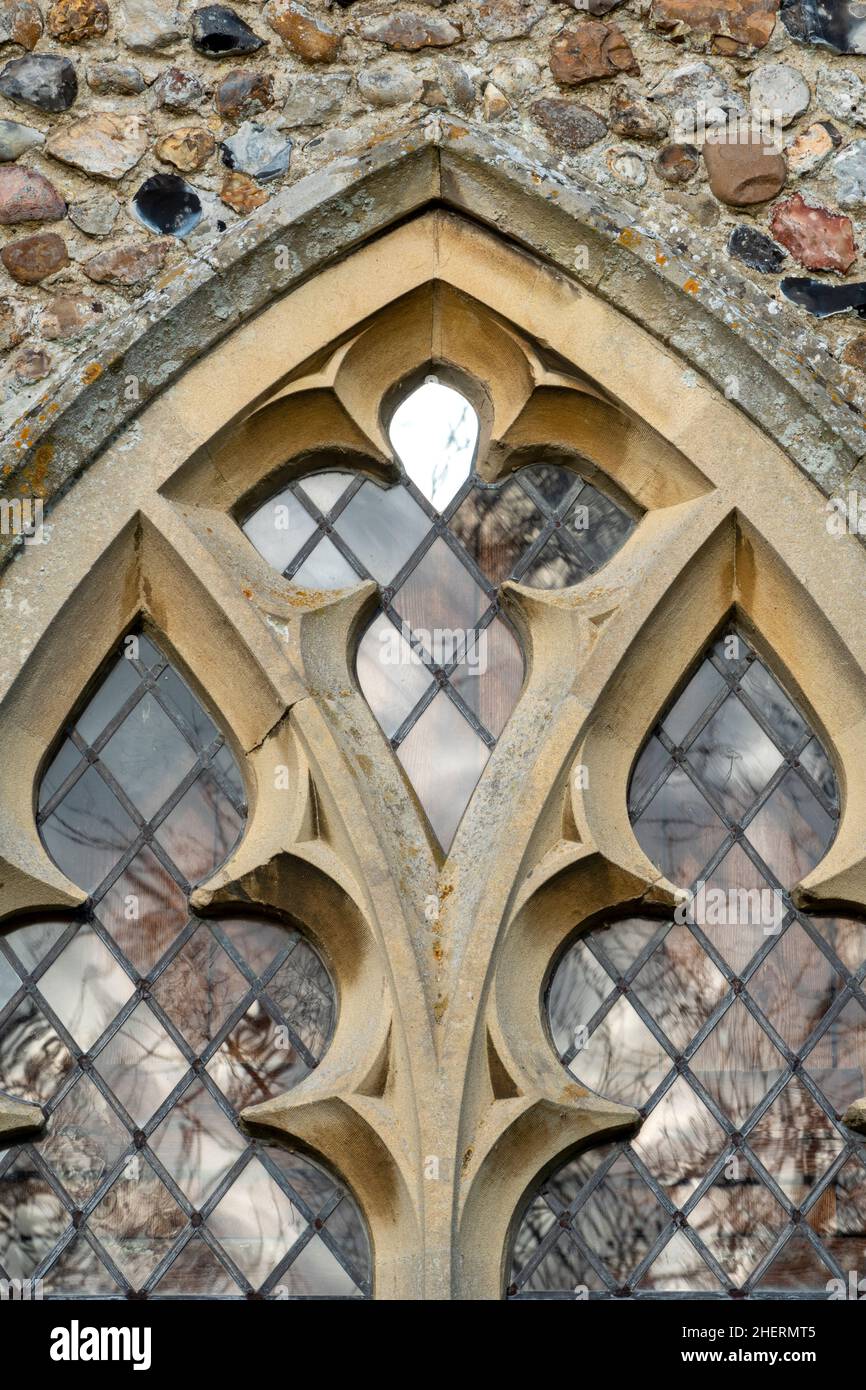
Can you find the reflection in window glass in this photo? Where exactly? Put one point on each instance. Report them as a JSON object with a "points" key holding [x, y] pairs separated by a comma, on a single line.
{"points": [[439, 664], [144, 1031], [738, 1030]]}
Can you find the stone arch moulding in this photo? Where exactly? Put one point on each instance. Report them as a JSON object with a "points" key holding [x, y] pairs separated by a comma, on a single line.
{"points": [[718, 323], [429, 1095]]}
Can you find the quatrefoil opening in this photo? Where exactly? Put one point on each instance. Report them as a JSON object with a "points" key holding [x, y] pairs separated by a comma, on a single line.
{"points": [[439, 664]]}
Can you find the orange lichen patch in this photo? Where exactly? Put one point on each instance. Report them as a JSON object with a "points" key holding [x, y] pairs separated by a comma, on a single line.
{"points": [[91, 373], [629, 237], [170, 275], [41, 459], [691, 286], [661, 258], [574, 1092], [247, 593], [438, 953]]}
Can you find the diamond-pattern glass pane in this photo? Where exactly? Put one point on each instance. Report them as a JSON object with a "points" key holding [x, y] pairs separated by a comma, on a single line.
{"points": [[439, 544], [737, 1029], [144, 1031]]}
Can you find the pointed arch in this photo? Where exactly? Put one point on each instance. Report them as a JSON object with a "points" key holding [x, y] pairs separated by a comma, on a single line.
{"points": [[290, 342]]}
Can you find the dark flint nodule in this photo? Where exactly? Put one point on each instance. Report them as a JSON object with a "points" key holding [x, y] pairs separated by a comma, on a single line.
{"points": [[168, 205], [821, 299], [40, 80], [217, 31], [756, 250], [836, 24]]}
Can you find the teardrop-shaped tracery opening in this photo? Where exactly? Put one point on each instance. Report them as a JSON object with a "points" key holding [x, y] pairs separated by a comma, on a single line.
{"points": [[734, 766], [738, 1029], [434, 433], [145, 1031]]}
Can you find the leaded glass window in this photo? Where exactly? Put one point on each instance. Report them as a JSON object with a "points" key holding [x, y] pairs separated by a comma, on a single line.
{"points": [[143, 1030], [440, 664], [737, 1030]]}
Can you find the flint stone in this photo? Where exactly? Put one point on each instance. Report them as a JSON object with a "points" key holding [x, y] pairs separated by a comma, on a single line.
{"points": [[676, 163], [165, 203], [70, 316], [177, 90], [569, 125], [20, 22], [736, 26], [313, 99], [29, 365], [823, 300], [258, 150], [695, 97], [633, 117], [10, 328], [494, 104], [147, 25], [842, 94], [74, 21], [508, 19], [451, 87], [818, 239], [16, 138], [590, 53], [626, 166], [513, 76], [188, 148], [756, 250], [389, 84], [26, 196], [779, 90], [811, 148], [218, 32], [244, 93], [407, 32], [854, 354], [40, 80], [305, 33], [849, 171], [128, 264], [836, 24], [241, 193], [115, 79], [104, 145], [744, 171], [34, 258], [95, 216]]}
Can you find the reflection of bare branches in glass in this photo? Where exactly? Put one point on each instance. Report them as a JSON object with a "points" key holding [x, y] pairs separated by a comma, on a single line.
{"points": [[33, 1060], [284, 1030], [725, 743]]}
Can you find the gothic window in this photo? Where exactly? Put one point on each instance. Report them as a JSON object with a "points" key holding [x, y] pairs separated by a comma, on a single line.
{"points": [[737, 1029], [371, 946], [439, 663], [143, 1030]]}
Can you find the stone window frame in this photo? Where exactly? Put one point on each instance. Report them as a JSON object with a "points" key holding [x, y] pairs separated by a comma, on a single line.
{"points": [[440, 1101]]}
